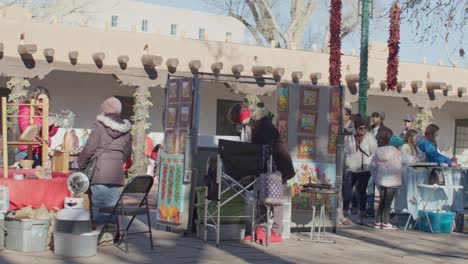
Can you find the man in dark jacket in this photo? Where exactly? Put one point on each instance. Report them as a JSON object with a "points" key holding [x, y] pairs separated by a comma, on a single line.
{"points": [[382, 133], [111, 144]]}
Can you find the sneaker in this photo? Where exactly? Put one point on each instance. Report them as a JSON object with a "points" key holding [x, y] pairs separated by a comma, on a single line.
{"points": [[354, 211], [389, 227], [370, 213], [361, 218], [378, 225]]}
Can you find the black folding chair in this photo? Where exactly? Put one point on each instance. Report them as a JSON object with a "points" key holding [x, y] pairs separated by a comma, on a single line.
{"points": [[237, 162], [137, 184]]}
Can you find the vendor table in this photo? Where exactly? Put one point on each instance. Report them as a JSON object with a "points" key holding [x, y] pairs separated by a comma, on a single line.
{"points": [[407, 200], [36, 192]]}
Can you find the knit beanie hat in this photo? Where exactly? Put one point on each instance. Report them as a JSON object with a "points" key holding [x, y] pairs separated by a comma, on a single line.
{"points": [[396, 141], [111, 105]]}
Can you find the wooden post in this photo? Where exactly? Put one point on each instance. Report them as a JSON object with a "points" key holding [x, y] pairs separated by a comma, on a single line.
{"points": [[45, 130], [4, 138]]}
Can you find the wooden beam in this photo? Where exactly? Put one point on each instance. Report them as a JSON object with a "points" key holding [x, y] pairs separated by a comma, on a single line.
{"points": [[435, 85], [278, 73], [415, 85], [446, 89], [383, 85], [27, 49], [400, 86], [1, 47], [98, 59], [217, 67], [172, 64], [237, 70], [315, 77], [151, 61], [296, 76], [461, 91], [73, 56], [261, 70], [123, 61], [194, 66], [49, 52]]}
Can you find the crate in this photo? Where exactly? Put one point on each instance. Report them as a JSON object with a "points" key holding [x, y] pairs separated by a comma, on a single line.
{"points": [[441, 222], [4, 199], [26, 235]]}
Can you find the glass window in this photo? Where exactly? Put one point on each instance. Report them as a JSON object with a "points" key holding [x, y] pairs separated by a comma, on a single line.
{"points": [[228, 36], [201, 33], [461, 136], [224, 127], [144, 25], [114, 21], [173, 30]]}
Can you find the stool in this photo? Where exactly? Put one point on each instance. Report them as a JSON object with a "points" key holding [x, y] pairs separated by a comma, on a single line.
{"points": [[321, 221]]}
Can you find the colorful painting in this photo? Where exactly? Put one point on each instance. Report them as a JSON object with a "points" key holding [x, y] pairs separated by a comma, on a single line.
{"points": [[171, 189], [181, 145], [309, 172], [335, 105], [308, 122], [171, 118], [306, 148], [332, 137], [170, 141], [283, 130], [173, 91], [184, 116], [186, 90], [309, 98], [283, 104]]}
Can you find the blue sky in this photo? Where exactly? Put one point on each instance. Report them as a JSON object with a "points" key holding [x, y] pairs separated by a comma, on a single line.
{"points": [[410, 50]]}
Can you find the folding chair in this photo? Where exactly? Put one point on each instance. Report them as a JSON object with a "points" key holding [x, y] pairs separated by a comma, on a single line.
{"points": [[425, 202], [136, 185], [236, 163]]}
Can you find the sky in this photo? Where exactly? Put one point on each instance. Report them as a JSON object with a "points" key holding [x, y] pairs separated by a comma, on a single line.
{"points": [[410, 50]]}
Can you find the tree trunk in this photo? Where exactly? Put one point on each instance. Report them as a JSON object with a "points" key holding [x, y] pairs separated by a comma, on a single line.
{"points": [[142, 103]]}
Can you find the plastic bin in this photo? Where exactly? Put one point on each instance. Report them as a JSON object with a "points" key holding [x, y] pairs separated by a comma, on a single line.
{"points": [[4, 199], [71, 245], [26, 235], [441, 222], [235, 207], [2, 231]]}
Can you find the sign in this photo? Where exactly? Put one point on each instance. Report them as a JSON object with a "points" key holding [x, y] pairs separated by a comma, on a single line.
{"points": [[171, 194]]}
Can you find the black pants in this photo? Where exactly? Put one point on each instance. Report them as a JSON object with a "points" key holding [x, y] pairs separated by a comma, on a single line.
{"points": [[347, 189], [386, 199], [361, 179]]}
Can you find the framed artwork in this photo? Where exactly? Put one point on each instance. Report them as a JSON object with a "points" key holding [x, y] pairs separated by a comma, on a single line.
{"points": [[308, 122], [186, 90], [282, 125], [335, 101], [181, 145], [171, 117], [309, 98], [306, 148], [173, 91], [184, 116], [332, 137], [283, 103], [170, 142]]}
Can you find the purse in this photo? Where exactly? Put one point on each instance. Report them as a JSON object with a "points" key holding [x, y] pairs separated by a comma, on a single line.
{"points": [[271, 189], [436, 177], [91, 165]]}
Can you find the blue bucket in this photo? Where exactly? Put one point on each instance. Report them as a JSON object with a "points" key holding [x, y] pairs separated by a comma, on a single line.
{"points": [[441, 222]]}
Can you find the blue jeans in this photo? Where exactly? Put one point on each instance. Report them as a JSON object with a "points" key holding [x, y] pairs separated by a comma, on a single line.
{"points": [[104, 195], [371, 194]]}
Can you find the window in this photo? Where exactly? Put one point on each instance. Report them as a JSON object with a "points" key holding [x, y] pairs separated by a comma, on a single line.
{"points": [[201, 34], [114, 20], [224, 127], [144, 25], [461, 136], [173, 30], [127, 106], [228, 37]]}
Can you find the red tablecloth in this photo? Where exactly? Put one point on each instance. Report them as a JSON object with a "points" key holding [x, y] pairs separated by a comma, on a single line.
{"points": [[36, 192], [27, 172]]}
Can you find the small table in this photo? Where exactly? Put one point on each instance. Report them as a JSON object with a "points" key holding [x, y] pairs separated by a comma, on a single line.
{"points": [[321, 222]]}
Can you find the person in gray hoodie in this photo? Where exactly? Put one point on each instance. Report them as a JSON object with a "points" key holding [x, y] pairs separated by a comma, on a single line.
{"points": [[110, 143]]}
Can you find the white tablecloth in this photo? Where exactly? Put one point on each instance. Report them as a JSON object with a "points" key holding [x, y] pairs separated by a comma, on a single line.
{"points": [[407, 198]]}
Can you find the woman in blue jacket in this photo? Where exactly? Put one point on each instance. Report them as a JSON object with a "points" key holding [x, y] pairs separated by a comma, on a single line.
{"points": [[428, 145]]}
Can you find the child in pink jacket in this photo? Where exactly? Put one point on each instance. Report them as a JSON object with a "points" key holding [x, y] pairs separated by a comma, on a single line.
{"points": [[36, 93]]}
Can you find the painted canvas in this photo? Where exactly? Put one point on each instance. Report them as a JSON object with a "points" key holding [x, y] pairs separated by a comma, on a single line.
{"points": [[171, 189], [184, 116], [173, 91], [332, 137], [310, 172], [283, 104], [186, 90], [181, 144], [169, 141], [171, 118], [309, 98], [308, 122], [306, 148]]}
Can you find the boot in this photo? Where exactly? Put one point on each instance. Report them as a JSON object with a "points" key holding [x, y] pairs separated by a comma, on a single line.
{"points": [[362, 215]]}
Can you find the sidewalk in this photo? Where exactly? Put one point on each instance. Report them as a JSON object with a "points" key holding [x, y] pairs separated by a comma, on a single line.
{"points": [[354, 244]]}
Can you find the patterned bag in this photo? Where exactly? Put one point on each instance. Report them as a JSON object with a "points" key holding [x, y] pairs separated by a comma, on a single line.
{"points": [[271, 189]]}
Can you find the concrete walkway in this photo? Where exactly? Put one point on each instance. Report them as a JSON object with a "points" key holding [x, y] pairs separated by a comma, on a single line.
{"points": [[354, 244]]}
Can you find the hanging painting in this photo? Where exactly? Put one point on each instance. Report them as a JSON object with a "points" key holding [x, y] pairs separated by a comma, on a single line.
{"points": [[306, 148], [170, 142], [309, 98], [186, 90], [332, 137], [283, 104], [173, 91], [308, 122]]}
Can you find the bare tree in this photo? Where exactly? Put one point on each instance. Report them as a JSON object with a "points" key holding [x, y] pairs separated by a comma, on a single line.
{"points": [[433, 19]]}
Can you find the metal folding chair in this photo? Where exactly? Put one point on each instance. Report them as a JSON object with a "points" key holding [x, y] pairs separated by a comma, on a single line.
{"points": [[425, 202], [238, 166], [136, 185]]}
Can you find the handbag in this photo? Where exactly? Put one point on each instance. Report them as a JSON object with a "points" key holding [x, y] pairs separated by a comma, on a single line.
{"points": [[271, 189], [91, 165], [436, 177]]}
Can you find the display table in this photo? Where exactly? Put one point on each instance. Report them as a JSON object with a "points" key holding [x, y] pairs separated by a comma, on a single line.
{"points": [[36, 192], [407, 199]]}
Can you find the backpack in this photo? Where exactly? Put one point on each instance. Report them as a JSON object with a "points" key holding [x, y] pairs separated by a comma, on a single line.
{"points": [[437, 177]]}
